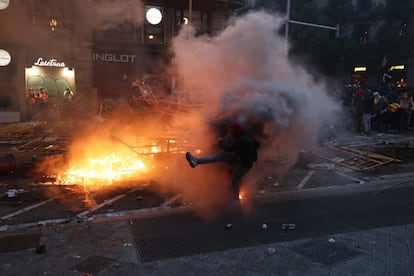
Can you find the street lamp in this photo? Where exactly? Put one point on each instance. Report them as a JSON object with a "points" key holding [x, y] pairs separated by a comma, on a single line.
{"points": [[4, 4], [190, 11]]}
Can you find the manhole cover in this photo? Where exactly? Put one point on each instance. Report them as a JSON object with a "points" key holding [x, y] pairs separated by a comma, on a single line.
{"points": [[155, 239], [94, 264], [325, 252]]}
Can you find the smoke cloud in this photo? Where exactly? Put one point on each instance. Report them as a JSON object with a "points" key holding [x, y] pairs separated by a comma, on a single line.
{"points": [[244, 73], [241, 73]]}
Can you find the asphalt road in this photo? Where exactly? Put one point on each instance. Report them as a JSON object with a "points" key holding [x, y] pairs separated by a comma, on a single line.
{"points": [[313, 217]]}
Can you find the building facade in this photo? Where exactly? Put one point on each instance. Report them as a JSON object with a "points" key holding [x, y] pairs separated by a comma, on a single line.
{"points": [[365, 29], [95, 48]]}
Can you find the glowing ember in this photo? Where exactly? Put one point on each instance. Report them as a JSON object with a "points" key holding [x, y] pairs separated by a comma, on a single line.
{"points": [[103, 171]]}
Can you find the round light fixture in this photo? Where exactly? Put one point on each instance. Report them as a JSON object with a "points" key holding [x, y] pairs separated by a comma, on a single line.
{"points": [[4, 4], [154, 16], [5, 57]]}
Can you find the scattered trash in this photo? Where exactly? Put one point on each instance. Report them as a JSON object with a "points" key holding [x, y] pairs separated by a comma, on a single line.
{"points": [[41, 249], [288, 226], [269, 177], [76, 256], [331, 240], [81, 218], [112, 215], [271, 250], [11, 193], [261, 191], [276, 184], [228, 225], [127, 244], [264, 226]]}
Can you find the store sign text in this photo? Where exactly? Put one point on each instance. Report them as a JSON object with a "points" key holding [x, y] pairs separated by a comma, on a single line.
{"points": [[49, 63], [109, 57]]}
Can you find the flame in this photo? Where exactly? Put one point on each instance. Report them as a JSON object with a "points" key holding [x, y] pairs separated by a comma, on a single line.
{"points": [[96, 163], [104, 170]]}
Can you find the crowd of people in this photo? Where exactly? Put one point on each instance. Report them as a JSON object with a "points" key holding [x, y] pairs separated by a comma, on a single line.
{"points": [[387, 108], [39, 100]]}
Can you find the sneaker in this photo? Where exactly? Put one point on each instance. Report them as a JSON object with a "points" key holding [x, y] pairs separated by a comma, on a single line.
{"points": [[191, 160]]}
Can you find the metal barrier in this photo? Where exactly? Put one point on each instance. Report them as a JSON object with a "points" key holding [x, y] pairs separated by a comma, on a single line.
{"points": [[352, 158]]}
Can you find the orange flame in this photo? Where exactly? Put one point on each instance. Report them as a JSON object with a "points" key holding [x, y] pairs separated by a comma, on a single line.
{"points": [[105, 170]]}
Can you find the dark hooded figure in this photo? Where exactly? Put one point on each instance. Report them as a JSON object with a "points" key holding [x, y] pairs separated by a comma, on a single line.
{"points": [[239, 150]]}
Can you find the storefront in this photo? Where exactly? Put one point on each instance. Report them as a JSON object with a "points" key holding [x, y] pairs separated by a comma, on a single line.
{"points": [[399, 75], [48, 82], [51, 75], [359, 75]]}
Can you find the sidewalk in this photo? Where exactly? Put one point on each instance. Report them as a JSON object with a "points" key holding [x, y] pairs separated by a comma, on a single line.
{"points": [[107, 249]]}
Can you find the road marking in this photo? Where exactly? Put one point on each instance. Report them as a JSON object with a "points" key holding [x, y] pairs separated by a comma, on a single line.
{"points": [[107, 202], [359, 181], [28, 208], [8, 227], [171, 200], [305, 180]]}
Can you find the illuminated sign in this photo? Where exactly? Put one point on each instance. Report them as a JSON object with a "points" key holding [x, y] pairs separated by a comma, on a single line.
{"points": [[360, 69], [153, 16], [111, 57], [5, 57], [398, 67], [49, 63], [4, 4]]}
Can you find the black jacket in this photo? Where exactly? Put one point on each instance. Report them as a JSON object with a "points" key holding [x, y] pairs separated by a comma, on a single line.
{"points": [[245, 146]]}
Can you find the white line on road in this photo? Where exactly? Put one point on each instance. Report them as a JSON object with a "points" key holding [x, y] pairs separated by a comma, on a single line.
{"points": [[359, 181], [305, 180], [26, 209], [106, 202]]}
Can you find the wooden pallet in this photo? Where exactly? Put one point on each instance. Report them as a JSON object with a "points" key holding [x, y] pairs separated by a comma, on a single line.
{"points": [[353, 158]]}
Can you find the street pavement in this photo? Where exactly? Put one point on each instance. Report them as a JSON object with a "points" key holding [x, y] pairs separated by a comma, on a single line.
{"points": [[109, 245]]}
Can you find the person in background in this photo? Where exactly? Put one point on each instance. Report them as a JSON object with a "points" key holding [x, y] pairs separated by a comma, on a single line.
{"points": [[31, 103], [380, 115], [239, 150], [367, 111], [411, 116], [357, 108], [43, 98], [68, 95], [405, 103]]}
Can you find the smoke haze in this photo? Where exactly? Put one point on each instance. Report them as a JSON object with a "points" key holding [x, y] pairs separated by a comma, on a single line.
{"points": [[241, 73], [244, 73]]}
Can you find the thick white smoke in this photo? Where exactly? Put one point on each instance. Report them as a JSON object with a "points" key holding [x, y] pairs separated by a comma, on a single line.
{"points": [[244, 73]]}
